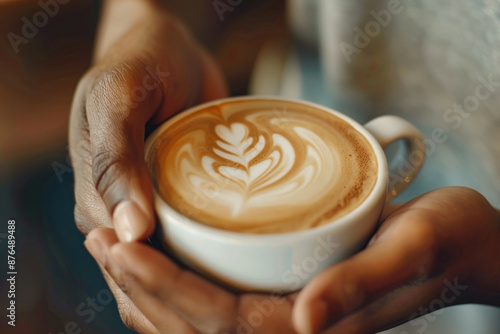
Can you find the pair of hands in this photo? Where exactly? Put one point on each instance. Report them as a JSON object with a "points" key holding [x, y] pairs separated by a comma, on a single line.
{"points": [[437, 250], [154, 70]]}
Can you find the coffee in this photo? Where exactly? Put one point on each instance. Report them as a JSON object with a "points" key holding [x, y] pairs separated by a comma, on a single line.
{"points": [[262, 166]]}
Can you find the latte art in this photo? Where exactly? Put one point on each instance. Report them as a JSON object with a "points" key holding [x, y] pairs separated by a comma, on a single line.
{"points": [[245, 177], [256, 167]]}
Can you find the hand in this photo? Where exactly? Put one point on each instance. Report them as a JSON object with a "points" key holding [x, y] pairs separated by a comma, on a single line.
{"points": [[150, 73], [438, 250], [438, 247], [179, 301], [143, 73]]}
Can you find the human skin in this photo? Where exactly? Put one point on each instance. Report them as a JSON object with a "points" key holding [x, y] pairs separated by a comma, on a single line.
{"points": [[442, 246], [451, 234]]}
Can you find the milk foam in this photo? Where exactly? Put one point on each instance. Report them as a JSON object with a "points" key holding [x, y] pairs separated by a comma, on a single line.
{"points": [[246, 167]]}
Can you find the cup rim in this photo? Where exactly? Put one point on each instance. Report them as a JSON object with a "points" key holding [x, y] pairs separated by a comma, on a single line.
{"points": [[379, 189]]}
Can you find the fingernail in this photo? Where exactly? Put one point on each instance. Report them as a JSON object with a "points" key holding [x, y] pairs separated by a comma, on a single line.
{"points": [[130, 221], [96, 249]]}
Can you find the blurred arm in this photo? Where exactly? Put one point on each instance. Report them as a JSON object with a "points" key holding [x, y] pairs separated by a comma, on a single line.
{"points": [[120, 16]]}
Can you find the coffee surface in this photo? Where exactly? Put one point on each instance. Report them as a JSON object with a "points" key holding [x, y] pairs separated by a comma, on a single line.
{"points": [[263, 166]]}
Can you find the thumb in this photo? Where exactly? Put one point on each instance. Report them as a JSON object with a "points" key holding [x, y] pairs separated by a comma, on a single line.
{"points": [[116, 122]]}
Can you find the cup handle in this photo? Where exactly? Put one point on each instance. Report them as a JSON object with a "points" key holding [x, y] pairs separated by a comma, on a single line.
{"points": [[388, 129]]}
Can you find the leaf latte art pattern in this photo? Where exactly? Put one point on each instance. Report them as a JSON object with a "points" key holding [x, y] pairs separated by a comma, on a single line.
{"points": [[252, 171], [261, 181]]}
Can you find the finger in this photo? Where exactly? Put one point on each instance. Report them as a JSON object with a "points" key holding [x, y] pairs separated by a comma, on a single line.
{"points": [[200, 302], [397, 307], [213, 84], [90, 211], [152, 276], [129, 313], [266, 313], [117, 121], [407, 253], [131, 316], [149, 309]]}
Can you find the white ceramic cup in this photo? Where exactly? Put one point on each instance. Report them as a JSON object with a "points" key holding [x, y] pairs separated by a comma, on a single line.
{"points": [[287, 261]]}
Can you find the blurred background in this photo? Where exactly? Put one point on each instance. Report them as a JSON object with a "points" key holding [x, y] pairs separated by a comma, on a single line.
{"points": [[279, 47]]}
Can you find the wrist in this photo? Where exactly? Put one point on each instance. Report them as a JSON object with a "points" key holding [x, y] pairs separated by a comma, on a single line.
{"points": [[118, 17]]}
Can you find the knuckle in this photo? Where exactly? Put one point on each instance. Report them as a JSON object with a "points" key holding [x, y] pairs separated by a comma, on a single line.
{"points": [[105, 171], [125, 282], [125, 84], [90, 211], [110, 81], [109, 90], [425, 235]]}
